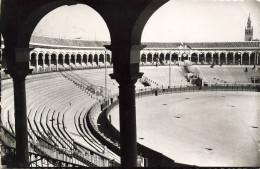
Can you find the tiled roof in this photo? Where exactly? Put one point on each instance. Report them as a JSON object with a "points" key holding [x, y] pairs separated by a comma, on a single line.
{"points": [[206, 45], [193, 45], [66, 42]]}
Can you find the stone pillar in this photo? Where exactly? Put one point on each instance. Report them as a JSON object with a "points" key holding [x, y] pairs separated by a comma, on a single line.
{"points": [[126, 73], [219, 58], [97, 59], [57, 63], [212, 57], [87, 59], [249, 58], [43, 63], [36, 66], [152, 58], [225, 57], [127, 122], [63, 60], [30, 63], [233, 58], [19, 72], [241, 58], [81, 61], [146, 58], [198, 57], [69, 62], [257, 57], [49, 57]]}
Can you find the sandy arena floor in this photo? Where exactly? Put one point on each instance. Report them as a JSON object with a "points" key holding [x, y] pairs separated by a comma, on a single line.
{"points": [[204, 129]]}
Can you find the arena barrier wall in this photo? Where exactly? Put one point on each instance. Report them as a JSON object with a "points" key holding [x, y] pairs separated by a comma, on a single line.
{"points": [[107, 134]]}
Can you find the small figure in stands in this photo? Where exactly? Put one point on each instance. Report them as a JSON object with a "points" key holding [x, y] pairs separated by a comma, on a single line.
{"points": [[246, 70]]}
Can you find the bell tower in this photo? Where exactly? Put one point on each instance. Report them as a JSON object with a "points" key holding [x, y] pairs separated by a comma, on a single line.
{"points": [[248, 30]]}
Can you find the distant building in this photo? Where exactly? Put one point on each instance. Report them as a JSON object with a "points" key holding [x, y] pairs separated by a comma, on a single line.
{"points": [[249, 30]]}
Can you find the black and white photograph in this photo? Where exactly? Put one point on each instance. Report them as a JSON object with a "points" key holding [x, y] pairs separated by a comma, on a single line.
{"points": [[130, 83]]}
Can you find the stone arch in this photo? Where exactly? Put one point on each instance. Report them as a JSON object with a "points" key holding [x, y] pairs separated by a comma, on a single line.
{"points": [[201, 57], [95, 60], [149, 57], [230, 58], [156, 57], [33, 59], [252, 58], [174, 57], [102, 58], [215, 57], [167, 57], [84, 58], [53, 59], [143, 58], [78, 58], [222, 58], [109, 59], [46, 57], [60, 59], [90, 58], [40, 11], [67, 58], [208, 57], [184, 56], [40, 59], [162, 58], [73, 59], [194, 57], [245, 58]]}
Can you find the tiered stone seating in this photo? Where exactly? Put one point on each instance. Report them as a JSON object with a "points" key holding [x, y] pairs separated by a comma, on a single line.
{"points": [[97, 78], [231, 74], [50, 106], [160, 75]]}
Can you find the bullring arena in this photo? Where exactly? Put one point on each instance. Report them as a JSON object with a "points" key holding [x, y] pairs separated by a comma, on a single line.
{"points": [[69, 101], [202, 128]]}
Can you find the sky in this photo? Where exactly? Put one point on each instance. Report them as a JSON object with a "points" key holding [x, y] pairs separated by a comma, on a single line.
{"points": [[176, 21]]}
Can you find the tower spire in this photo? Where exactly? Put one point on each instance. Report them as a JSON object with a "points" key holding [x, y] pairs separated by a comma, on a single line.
{"points": [[249, 22], [249, 30]]}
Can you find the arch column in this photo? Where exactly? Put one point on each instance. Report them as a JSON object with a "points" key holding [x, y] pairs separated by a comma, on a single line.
{"points": [[81, 58], [225, 54], [36, 66], [49, 57], [43, 62], [18, 73], [233, 58], [241, 58], [198, 58], [219, 58], [87, 59], [63, 60], [145, 58], [126, 73], [57, 63], [249, 58], [30, 62], [257, 57], [69, 62], [97, 59]]}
